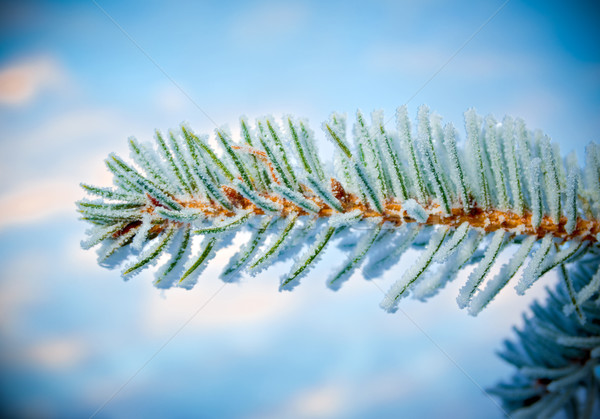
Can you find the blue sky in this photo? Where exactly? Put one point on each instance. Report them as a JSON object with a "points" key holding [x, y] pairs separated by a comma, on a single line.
{"points": [[73, 88]]}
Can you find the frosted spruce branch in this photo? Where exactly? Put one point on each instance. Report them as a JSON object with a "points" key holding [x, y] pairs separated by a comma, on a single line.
{"points": [[556, 352], [504, 192]]}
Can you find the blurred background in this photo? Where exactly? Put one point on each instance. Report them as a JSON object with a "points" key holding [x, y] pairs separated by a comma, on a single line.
{"points": [[77, 78]]}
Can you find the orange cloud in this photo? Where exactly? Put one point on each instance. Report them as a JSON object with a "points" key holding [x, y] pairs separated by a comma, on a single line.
{"points": [[21, 82]]}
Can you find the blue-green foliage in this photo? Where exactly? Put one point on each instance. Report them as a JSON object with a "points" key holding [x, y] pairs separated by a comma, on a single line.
{"points": [[557, 351]]}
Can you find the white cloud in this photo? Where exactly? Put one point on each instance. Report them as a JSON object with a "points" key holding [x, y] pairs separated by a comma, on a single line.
{"points": [[18, 291], [538, 106], [321, 402], [168, 98], [21, 82], [44, 198], [57, 353], [47, 191], [245, 305], [335, 397], [37, 201], [269, 21], [76, 125], [251, 302], [426, 58]]}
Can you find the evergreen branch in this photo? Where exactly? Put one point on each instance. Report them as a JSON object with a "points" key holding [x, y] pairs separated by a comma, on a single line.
{"points": [[556, 353], [458, 203]]}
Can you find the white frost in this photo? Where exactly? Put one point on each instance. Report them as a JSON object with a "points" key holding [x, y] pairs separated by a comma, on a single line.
{"points": [[416, 211]]}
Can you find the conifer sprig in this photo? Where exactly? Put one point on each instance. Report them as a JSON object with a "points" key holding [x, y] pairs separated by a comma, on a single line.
{"points": [[557, 351], [505, 190]]}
